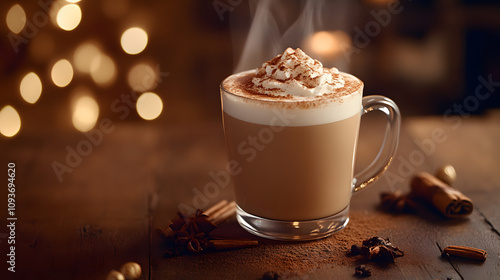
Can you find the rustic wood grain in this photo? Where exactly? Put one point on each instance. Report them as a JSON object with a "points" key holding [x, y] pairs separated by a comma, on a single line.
{"points": [[105, 212], [93, 221], [472, 148]]}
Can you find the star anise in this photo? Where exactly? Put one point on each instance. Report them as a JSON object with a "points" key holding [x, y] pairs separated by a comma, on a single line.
{"points": [[190, 234], [193, 225], [193, 243]]}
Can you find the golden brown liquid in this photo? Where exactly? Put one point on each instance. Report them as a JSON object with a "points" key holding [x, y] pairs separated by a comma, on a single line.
{"points": [[293, 173]]}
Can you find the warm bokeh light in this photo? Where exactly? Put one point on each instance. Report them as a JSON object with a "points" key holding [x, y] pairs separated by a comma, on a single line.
{"points": [[73, 1], [134, 40], [103, 70], [31, 87], [323, 42], [149, 106], [16, 18], [328, 44], [62, 73], [142, 77], [55, 6], [85, 110], [10, 122], [69, 16], [84, 55]]}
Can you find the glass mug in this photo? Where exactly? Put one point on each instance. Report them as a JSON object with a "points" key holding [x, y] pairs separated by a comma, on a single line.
{"points": [[295, 159]]}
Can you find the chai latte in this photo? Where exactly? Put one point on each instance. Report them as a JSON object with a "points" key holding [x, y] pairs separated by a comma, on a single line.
{"points": [[296, 153]]}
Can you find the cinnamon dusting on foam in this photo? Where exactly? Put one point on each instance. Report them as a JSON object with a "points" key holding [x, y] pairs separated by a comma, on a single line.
{"points": [[241, 84], [292, 86], [295, 73], [296, 78]]}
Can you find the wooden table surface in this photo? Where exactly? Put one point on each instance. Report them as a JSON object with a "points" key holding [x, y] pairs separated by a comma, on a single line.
{"points": [[105, 210]]}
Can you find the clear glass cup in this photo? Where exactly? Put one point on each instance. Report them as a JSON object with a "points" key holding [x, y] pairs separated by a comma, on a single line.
{"points": [[293, 162]]}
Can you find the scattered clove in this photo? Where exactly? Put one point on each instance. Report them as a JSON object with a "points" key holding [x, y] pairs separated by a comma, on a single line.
{"points": [[270, 275], [396, 202], [190, 234], [362, 271], [377, 249], [355, 250]]}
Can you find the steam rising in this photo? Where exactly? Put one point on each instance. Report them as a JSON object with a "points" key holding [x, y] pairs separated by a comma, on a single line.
{"points": [[265, 40]]}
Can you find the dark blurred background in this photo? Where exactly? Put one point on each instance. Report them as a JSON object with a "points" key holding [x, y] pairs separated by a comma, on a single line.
{"points": [[429, 56]]}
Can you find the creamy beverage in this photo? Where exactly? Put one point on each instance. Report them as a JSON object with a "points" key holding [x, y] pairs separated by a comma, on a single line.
{"points": [[291, 130], [299, 173], [292, 126]]}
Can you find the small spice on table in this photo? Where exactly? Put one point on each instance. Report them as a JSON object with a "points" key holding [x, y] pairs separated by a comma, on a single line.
{"points": [[378, 249], [362, 271], [465, 252], [447, 174], [115, 275], [230, 244], [396, 202], [191, 234], [355, 250], [270, 275], [131, 270]]}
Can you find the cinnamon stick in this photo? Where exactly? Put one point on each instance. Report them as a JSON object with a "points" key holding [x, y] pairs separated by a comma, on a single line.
{"points": [[449, 201], [166, 231], [229, 244], [223, 213], [210, 211]]}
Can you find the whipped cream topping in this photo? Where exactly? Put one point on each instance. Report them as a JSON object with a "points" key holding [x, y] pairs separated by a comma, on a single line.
{"points": [[295, 73]]}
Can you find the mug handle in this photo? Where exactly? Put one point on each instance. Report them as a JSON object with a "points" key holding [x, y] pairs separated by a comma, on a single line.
{"points": [[389, 145]]}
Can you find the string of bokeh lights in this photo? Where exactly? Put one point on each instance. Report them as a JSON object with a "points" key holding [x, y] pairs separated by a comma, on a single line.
{"points": [[89, 59]]}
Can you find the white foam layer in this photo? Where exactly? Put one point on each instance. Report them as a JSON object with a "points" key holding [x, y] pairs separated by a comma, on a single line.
{"points": [[290, 112], [295, 73]]}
